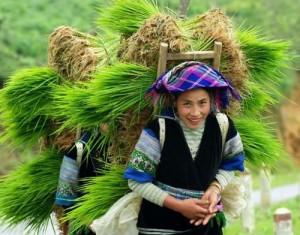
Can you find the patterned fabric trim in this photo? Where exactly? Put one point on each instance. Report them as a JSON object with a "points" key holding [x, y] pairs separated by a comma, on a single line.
{"points": [[179, 193], [234, 155], [141, 161], [138, 176], [233, 146], [149, 145], [144, 158], [68, 182], [234, 163]]}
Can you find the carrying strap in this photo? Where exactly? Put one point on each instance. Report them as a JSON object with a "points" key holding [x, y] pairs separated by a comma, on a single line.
{"points": [[223, 123], [79, 148], [221, 118], [162, 131]]}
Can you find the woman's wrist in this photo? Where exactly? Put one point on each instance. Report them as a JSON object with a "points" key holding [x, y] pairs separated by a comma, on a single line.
{"points": [[215, 185], [172, 203]]}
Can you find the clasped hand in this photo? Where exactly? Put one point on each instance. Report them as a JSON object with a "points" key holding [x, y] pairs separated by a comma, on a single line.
{"points": [[200, 211]]}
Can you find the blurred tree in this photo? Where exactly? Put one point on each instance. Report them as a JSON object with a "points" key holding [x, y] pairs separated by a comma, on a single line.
{"points": [[26, 25], [183, 8]]}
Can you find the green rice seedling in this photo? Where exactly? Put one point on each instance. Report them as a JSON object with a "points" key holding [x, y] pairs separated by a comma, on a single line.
{"points": [[125, 16], [25, 102], [29, 188], [256, 100], [266, 58], [261, 146], [118, 89], [112, 91], [99, 194], [72, 107]]}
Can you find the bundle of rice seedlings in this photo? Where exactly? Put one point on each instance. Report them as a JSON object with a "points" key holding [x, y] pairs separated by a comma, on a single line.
{"points": [[119, 88], [72, 108], [262, 148], [29, 188], [75, 54], [143, 46], [266, 58], [111, 92], [99, 194], [25, 102], [256, 100], [125, 16]]}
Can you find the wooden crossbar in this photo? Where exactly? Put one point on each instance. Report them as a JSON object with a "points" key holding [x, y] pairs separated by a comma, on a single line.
{"points": [[164, 56]]}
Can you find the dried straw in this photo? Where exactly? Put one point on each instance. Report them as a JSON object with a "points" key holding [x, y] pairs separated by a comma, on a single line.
{"points": [[143, 46], [127, 135], [73, 54]]}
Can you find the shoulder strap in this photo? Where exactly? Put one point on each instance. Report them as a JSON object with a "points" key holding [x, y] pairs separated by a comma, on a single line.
{"points": [[223, 123], [162, 131], [79, 148]]}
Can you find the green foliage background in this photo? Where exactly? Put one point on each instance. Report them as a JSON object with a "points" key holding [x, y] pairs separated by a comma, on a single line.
{"points": [[26, 25]]}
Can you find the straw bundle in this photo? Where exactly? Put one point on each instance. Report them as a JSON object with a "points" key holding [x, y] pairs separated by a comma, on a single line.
{"points": [[127, 135], [72, 53], [143, 46]]}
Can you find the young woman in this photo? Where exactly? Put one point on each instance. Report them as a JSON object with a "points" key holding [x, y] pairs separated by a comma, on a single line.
{"points": [[181, 181]]}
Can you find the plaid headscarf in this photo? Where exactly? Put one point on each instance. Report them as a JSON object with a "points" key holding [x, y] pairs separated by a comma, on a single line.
{"points": [[190, 75]]}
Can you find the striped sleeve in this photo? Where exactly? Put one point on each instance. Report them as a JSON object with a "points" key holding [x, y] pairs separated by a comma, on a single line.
{"points": [[149, 191], [233, 156], [144, 158]]}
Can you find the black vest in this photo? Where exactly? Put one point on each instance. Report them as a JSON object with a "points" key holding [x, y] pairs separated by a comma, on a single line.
{"points": [[178, 169]]}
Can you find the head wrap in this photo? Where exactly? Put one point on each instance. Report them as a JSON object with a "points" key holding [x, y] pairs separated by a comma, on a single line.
{"points": [[190, 75]]}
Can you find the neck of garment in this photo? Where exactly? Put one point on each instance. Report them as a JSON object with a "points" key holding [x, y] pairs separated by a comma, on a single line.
{"points": [[193, 137]]}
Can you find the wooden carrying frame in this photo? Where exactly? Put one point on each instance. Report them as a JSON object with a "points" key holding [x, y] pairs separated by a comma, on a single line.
{"points": [[164, 56]]}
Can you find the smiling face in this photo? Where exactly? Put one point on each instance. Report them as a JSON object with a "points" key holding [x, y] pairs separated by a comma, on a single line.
{"points": [[193, 106]]}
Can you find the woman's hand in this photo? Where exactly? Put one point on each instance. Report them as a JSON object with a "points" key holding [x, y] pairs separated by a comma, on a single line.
{"points": [[191, 208], [194, 208], [212, 196]]}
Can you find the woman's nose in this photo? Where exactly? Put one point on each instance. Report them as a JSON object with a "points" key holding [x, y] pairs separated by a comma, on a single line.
{"points": [[195, 111]]}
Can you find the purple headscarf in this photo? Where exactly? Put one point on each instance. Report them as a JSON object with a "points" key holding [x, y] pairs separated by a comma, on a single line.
{"points": [[190, 75]]}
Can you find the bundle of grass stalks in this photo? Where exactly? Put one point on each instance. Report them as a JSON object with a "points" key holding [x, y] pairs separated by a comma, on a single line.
{"points": [[99, 194], [111, 92], [75, 55], [266, 58], [71, 106], [256, 100], [261, 148], [25, 103], [119, 88], [125, 16], [27, 193], [143, 46]]}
